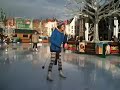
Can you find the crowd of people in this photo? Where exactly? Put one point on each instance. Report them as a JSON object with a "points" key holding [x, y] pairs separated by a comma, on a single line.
{"points": [[4, 39]]}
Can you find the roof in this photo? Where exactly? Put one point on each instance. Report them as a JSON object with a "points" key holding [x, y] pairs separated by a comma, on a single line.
{"points": [[70, 20], [25, 31]]}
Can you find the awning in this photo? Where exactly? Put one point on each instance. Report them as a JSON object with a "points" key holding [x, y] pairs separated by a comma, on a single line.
{"points": [[25, 31]]}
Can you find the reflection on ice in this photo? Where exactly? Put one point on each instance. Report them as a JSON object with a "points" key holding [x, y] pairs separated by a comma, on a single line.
{"points": [[84, 72], [83, 61]]}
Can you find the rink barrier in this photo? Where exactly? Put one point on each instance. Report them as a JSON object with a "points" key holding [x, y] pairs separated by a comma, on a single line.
{"points": [[102, 48]]}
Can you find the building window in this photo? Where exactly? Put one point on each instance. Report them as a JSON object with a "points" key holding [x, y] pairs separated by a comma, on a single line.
{"points": [[25, 35], [52, 25], [72, 27], [15, 35], [72, 31]]}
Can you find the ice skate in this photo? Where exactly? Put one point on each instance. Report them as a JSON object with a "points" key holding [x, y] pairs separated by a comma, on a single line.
{"points": [[33, 49], [61, 74], [36, 49], [49, 78], [6, 50]]}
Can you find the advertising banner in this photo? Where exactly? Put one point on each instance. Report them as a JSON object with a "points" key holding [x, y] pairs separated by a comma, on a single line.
{"points": [[22, 23], [71, 47], [99, 48], [114, 48], [82, 47], [90, 48], [110, 48]]}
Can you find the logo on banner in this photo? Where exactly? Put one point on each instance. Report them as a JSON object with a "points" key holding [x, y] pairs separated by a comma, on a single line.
{"points": [[27, 21], [81, 47]]}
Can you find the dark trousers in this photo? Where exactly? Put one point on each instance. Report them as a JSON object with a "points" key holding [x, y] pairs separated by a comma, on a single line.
{"points": [[119, 46], [34, 45], [64, 47], [55, 57]]}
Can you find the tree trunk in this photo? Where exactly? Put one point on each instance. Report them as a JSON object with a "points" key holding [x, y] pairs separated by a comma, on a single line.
{"points": [[96, 35]]}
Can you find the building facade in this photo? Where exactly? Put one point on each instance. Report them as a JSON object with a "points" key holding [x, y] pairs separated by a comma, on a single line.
{"points": [[50, 25]]}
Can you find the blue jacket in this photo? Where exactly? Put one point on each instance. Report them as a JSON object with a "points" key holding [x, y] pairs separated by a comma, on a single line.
{"points": [[56, 40]]}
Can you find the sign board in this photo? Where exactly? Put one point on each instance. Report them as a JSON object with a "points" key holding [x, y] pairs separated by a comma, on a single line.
{"points": [[82, 47], [114, 48], [99, 48], [90, 48], [22, 23]]}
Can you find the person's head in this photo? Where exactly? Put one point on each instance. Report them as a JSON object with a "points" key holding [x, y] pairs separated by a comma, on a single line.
{"points": [[61, 27], [6, 36], [35, 32], [77, 36], [114, 36]]}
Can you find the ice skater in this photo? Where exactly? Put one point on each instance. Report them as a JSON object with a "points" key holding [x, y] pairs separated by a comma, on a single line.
{"points": [[35, 40], [7, 42], [56, 40]]}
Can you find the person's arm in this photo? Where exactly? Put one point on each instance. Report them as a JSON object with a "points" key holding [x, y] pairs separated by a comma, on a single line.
{"points": [[52, 39], [38, 38]]}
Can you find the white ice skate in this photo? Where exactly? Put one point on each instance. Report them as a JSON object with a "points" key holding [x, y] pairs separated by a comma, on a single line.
{"points": [[49, 76], [61, 74], [36, 49], [6, 50]]}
